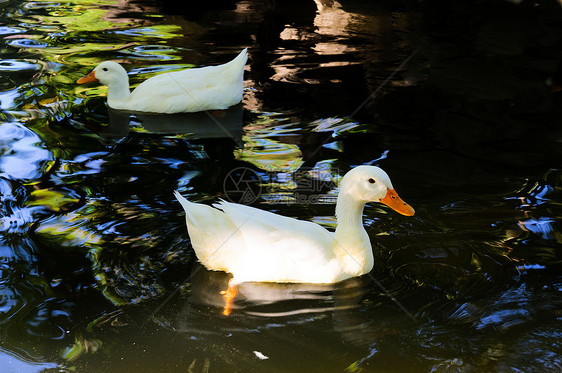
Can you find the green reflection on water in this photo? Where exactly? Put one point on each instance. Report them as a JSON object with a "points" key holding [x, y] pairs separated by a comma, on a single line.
{"points": [[270, 155], [262, 150], [52, 199], [77, 18]]}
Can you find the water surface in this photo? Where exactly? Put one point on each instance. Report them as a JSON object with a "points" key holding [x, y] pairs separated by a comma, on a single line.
{"points": [[458, 104]]}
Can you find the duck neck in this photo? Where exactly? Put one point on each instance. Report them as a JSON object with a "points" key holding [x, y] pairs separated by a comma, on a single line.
{"points": [[352, 240], [118, 92]]}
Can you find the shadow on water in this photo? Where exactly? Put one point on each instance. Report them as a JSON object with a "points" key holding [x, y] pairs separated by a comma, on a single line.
{"points": [[460, 104], [202, 125]]}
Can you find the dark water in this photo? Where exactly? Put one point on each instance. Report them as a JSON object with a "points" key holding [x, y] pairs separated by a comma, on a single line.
{"points": [[97, 273]]}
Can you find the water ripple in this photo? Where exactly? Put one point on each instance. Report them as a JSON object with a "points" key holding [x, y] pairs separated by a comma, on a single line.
{"points": [[5, 30], [27, 43], [19, 65], [21, 156]]}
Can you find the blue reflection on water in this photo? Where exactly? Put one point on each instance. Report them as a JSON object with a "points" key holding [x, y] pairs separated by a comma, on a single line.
{"points": [[543, 226], [13, 363], [22, 153], [18, 65], [8, 98]]}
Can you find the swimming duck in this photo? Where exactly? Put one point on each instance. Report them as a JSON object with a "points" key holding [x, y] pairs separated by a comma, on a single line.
{"points": [[186, 91], [260, 246]]}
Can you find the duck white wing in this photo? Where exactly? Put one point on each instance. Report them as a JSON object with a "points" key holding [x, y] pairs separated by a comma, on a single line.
{"points": [[281, 249], [191, 90], [257, 245], [246, 217], [228, 74]]}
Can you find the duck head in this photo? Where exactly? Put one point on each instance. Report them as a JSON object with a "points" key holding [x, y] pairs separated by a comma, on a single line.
{"points": [[371, 184], [106, 73]]}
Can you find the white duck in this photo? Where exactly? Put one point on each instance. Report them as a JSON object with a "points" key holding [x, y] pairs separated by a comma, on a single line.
{"points": [[186, 91], [260, 246]]}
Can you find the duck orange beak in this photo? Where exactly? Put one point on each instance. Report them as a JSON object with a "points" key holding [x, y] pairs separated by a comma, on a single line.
{"points": [[393, 201], [91, 77]]}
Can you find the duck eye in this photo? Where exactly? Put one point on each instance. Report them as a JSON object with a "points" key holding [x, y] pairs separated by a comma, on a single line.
{"points": [[371, 180], [104, 69]]}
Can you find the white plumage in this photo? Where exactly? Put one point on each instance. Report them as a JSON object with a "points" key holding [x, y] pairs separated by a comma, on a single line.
{"points": [[257, 245], [190, 90]]}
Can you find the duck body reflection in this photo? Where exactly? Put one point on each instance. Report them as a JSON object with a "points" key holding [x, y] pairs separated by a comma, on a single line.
{"points": [[268, 299], [205, 124]]}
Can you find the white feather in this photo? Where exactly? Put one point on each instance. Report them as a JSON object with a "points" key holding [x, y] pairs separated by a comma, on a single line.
{"points": [[257, 245], [190, 90]]}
